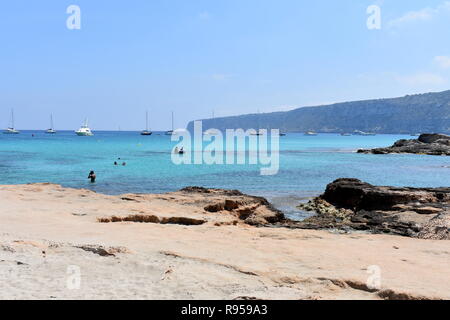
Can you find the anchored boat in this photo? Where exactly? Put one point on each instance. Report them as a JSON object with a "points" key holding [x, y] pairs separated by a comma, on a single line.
{"points": [[52, 129], [11, 129], [146, 132], [84, 130]]}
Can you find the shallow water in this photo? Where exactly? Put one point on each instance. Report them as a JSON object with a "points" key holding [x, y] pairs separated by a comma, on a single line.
{"points": [[307, 165]]}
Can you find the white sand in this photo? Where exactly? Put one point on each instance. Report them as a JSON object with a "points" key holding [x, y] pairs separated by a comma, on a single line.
{"points": [[43, 227]]}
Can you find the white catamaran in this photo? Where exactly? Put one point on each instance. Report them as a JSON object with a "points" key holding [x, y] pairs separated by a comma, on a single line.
{"points": [[84, 130], [52, 129], [146, 132], [11, 129]]}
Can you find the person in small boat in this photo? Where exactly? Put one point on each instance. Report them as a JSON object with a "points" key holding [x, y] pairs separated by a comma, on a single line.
{"points": [[92, 176], [181, 151]]}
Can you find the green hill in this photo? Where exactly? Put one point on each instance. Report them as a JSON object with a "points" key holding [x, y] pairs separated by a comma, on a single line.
{"points": [[429, 112]]}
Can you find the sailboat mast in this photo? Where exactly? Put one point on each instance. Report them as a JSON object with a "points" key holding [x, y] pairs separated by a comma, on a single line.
{"points": [[258, 121], [51, 121], [12, 118], [172, 120]]}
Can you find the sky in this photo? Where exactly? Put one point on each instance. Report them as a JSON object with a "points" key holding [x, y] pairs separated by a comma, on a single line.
{"points": [[196, 57]]}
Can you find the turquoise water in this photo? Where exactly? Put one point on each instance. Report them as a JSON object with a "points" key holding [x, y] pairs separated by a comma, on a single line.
{"points": [[307, 165]]}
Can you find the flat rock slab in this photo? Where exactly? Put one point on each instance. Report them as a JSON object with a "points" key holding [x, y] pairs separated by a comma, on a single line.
{"points": [[353, 204]]}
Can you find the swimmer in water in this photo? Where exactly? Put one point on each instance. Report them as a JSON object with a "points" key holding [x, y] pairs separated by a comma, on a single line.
{"points": [[92, 176]]}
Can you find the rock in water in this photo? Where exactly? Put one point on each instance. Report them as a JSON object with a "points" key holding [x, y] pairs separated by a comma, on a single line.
{"points": [[433, 137], [429, 143]]}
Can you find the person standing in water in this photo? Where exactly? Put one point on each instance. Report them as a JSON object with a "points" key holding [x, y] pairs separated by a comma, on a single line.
{"points": [[92, 176]]}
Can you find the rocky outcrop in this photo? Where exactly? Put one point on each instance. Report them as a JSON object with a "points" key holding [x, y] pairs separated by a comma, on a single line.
{"points": [[252, 210], [431, 144], [353, 204], [195, 206]]}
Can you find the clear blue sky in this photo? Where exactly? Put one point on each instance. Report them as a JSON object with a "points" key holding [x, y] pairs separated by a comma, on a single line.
{"points": [[195, 56]]}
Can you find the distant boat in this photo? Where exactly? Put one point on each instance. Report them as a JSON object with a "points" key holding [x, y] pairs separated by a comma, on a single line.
{"points": [[212, 131], [282, 134], [310, 133], [146, 132], [11, 130], [362, 133], [345, 134], [415, 135], [84, 130], [259, 132], [52, 129], [170, 132]]}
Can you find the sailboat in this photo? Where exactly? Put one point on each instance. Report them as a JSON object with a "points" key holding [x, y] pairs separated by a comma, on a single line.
{"points": [[170, 132], [52, 129], [146, 132], [258, 132], [84, 130], [11, 130], [212, 131]]}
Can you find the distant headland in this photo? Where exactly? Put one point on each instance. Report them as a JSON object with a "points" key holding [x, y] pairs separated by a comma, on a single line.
{"points": [[412, 114]]}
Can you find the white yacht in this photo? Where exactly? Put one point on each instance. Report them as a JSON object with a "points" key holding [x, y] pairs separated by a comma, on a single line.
{"points": [[310, 133], [84, 130], [11, 130], [52, 129]]}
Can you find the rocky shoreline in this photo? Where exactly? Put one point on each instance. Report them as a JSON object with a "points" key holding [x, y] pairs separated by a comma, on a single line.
{"points": [[428, 144], [350, 204]]}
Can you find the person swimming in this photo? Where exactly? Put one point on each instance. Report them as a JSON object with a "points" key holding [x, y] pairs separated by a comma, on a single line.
{"points": [[115, 163], [92, 176], [124, 163]]}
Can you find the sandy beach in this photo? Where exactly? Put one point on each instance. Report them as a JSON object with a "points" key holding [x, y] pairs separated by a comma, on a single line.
{"points": [[60, 243]]}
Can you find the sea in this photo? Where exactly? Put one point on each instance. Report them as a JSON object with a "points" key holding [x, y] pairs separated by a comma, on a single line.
{"points": [[306, 165]]}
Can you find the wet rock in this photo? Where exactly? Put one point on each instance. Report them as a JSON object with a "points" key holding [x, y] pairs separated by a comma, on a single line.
{"points": [[433, 137], [430, 144]]}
